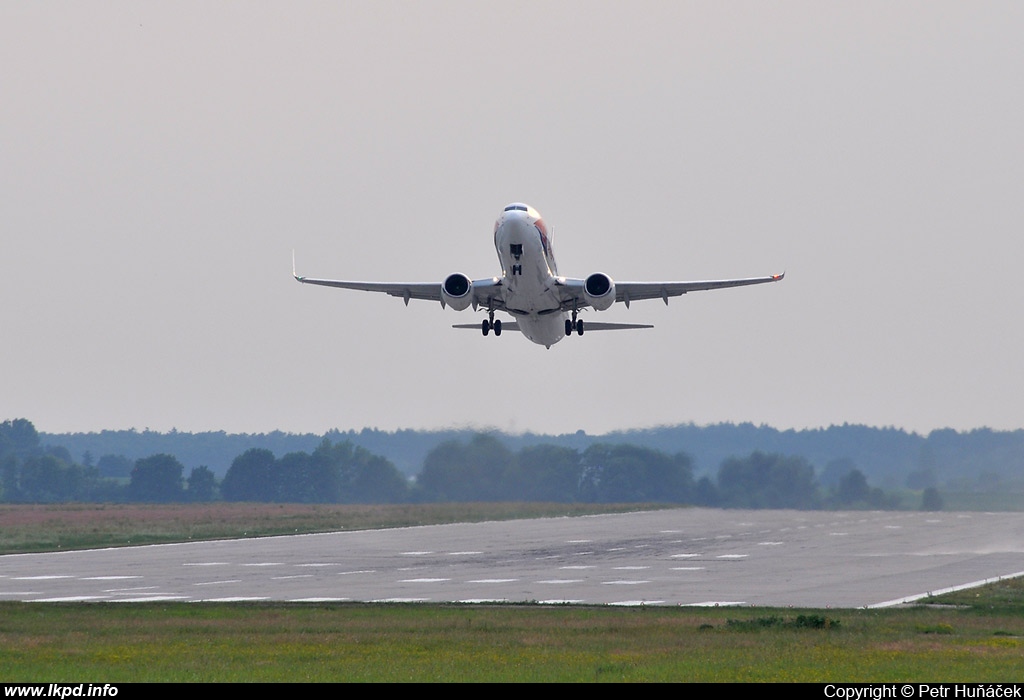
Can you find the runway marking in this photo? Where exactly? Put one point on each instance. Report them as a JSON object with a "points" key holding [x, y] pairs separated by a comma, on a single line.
{"points": [[579, 566], [401, 600], [134, 588], [332, 563], [462, 554], [217, 583], [688, 568], [71, 599], [414, 554], [474, 601], [578, 541], [320, 600], [951, 589], [637, 603], [838, 534], [732, 556], [20, 593], [684, 556], [494, 580], [39, 578], [712, 604], [770, 544], [265, 563], [562, 580], [424, 580], [206, 563], [361, 571], [568, 601], [630, 568], [107, 578], [622, 583], [285, 578], [236, 599]]}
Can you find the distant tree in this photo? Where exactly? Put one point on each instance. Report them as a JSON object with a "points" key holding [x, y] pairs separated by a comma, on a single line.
{"points": [[931, 500], [544, 473], [117, 466], [454, 471], [768, 481], [18, 437], [853, 488], [298, 478], [250, 477], [157, 479], [49, 479], [631, 474], [202, 485]]}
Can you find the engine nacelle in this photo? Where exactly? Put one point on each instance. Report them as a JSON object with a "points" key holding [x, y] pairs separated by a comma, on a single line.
{"points": [[599, 291], [457, 291]]}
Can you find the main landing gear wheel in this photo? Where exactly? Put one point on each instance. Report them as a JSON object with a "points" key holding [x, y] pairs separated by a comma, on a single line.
{"points": [[485, 326], [573, 325], [497, 327]]}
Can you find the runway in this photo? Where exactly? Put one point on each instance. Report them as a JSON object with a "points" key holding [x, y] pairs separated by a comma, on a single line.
{"points": [[672, 557]]}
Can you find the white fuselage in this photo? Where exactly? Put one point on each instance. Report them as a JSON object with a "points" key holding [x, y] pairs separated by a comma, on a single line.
{"points": [[528, 268]]}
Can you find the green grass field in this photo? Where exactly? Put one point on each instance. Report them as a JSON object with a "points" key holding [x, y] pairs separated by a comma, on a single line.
{"points": [[972, 636]]}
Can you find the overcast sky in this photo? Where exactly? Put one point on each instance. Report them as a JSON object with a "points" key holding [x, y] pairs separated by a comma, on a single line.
{"points": [[160, 161]]}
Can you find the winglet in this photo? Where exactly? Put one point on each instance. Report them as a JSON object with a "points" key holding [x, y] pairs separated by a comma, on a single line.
{"points": [[294, 274], [778, 278]]}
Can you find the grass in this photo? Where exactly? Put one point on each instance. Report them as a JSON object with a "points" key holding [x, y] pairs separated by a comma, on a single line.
{"points": [[100, 643]]}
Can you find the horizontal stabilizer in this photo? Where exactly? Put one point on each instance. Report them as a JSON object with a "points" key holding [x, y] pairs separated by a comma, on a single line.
{"points": [[505, 326], [598, 326]]}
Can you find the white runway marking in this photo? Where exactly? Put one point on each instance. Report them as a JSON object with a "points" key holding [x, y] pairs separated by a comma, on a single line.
{"points": [[688, 568], [732, 556], [286, 578], [107, 578], [567, 601], [236, 599], [685, 556], [265, 563], [424, 580], [217, 583], [637, 603], [320, 600], [630, 568], [622, 583], [206, 563], [714, 604], [578, 566], [40, 578], [462, 554], [557, 581], [150, 599], [494, 580]]}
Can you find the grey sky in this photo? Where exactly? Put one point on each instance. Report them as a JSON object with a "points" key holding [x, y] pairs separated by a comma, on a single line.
{"points": [[159, 162]]}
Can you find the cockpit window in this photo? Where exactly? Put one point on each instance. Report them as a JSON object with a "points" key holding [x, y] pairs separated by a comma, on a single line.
{"points": [[516, 207]]}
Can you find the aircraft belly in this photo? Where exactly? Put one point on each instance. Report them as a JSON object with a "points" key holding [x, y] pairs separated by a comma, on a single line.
{"points": [[543, 330]]}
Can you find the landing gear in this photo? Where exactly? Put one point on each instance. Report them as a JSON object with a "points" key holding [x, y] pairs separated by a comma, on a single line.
{"points": [[573, 325], [489, 324]]}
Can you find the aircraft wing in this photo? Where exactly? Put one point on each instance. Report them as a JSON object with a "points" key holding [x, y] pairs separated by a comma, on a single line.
{"points": [[626, 292], [486, 292]]}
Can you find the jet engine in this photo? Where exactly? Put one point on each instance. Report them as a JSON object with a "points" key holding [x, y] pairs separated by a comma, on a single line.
{"points": [[599, 291], [457, 291]]}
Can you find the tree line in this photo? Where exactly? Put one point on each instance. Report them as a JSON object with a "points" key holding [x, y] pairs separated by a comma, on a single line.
{"points": [[480, 468]]}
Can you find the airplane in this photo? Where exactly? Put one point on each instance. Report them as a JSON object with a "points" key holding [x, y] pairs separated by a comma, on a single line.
{"points": [[544, 304]]}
